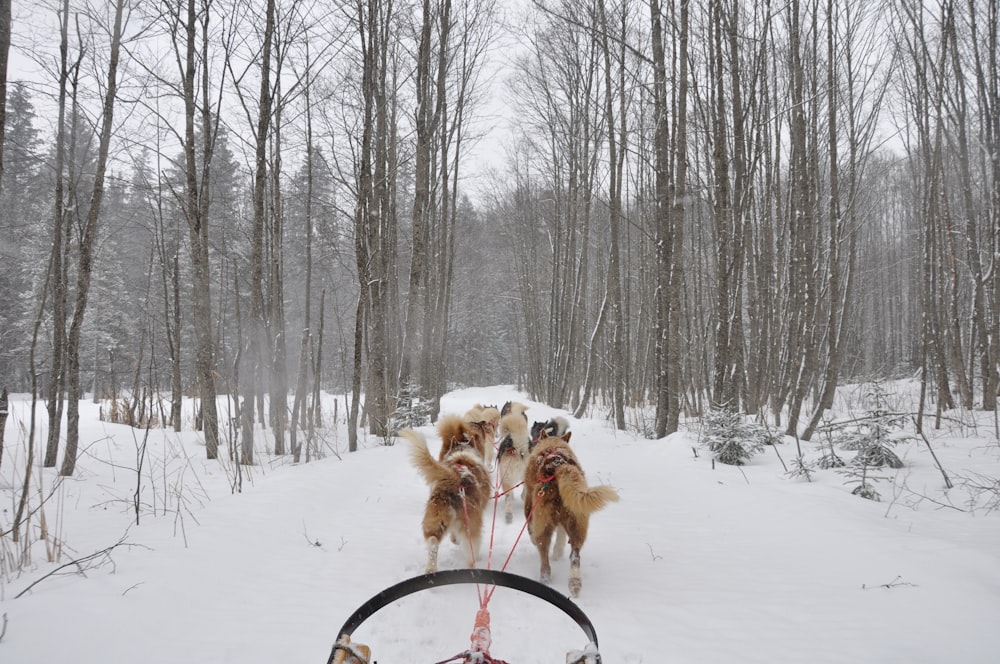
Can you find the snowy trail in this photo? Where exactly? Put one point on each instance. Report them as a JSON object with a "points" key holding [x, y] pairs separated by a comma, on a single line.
{"points": [[694, 564]]}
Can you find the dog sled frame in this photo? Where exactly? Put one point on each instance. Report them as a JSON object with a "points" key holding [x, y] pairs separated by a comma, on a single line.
{"points": [[345, 652]]}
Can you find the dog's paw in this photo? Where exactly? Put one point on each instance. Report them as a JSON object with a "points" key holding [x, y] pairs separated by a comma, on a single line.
{"points": [[574, 587]]}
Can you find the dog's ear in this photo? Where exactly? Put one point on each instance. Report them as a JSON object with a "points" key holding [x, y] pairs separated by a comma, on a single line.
{"points": [[475, 431], [566, 436]]}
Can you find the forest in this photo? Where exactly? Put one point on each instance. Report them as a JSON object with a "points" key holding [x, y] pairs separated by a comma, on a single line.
{"points": [[648, 210]]}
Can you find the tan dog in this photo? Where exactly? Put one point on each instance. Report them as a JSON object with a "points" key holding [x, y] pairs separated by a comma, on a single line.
{"points": [[512, 457], [460, 488], [558, 501], [513, 407], [457, 433], [489, 417]]}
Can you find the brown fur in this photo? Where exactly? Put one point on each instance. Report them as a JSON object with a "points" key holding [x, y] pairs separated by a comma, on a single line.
{"points": [[560, 503], [460, 486], [457, 434], [489, 419], [512, 457]]}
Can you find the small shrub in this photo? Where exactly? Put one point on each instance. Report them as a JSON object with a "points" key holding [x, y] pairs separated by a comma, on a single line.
{"points": [[878, 456], [733, 439], [801, 468], [872, 436], [866, 491], [830, 460], [411, 411]]}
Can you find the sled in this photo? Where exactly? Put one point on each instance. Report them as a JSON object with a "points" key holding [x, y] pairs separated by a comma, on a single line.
{"points": [[346, 652]]}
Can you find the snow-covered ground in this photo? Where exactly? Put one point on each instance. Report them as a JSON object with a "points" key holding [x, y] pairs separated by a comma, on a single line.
{"points": [[698, 562]]}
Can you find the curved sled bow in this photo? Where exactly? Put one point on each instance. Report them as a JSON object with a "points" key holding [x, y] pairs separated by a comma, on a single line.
{"points": [[472, 575]]}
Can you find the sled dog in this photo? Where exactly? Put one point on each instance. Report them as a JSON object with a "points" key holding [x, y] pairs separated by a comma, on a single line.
{"points": [[554, 427], [489, 416], [513, 407], [559, 502], [512, 457], [458, 433], [460, 490]]}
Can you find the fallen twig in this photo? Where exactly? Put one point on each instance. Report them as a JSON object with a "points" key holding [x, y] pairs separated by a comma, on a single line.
{"points": [[79, 563], [947, 482], [895, 583]]}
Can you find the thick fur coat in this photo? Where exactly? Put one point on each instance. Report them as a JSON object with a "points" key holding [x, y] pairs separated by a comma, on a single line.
{"points": [[489, 419], [460, 488], [512, 457], [559, 502], [554, 427]]}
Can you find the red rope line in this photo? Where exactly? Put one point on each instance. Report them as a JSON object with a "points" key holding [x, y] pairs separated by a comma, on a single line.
{"points": [[468, 533], [480, 637], [534, 504]]}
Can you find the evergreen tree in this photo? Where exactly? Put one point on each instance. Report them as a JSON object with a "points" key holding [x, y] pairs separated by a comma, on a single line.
{"points": [[25, 207]]}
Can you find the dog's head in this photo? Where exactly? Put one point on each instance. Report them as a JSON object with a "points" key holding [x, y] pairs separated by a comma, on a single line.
{"points": [[514, 407], [536, 433], [548, 429], [552, 451], [491, 414], [459, 435]]}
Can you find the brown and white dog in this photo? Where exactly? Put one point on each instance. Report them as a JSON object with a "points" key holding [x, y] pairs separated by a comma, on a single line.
{"points": [[512, 457], [489, 417], [560, 502], [460, 486]]}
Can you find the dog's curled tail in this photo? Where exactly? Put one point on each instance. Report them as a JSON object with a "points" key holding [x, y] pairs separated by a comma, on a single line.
{"points": [[561, 425], [577, 496], [420, 456]]}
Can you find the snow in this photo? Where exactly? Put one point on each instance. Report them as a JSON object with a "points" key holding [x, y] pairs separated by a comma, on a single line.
{"points": [[698, 562]]}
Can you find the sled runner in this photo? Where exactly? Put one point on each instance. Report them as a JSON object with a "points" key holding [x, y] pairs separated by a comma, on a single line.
{"points": [[346, 652]]}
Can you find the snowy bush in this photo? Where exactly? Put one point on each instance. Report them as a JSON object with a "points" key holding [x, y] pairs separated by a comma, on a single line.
{"points": [[411, 411], [733, 439], [872, 435]]}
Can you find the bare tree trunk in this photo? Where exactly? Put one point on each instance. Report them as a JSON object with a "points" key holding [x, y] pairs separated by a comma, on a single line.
{"points": [[671, 184], [802, 223], [375, 227], [86, 248], [3, 421], [195, 207], [5, 22], [425, 124], [254, 363], [298, 405], [56, 262], [663, 244], [613, 288], [278, 359], [316, 409], [675, 285], [728, 379], [984, 33]]}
